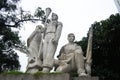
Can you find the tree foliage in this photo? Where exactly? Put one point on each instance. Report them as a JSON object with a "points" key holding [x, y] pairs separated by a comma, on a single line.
{"points": [[106, 48], [12, 16], [8, 57]]}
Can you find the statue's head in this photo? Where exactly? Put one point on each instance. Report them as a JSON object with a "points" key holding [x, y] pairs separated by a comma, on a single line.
{"points": [[48, 11], [71, 37], [40, 27], [54, 16]]}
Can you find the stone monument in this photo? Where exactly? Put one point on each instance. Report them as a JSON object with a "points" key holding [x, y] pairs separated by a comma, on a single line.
{"points": [[88, 57], [71, 59], [42, 45], [41, 48], [34, 44], [52, 34]]}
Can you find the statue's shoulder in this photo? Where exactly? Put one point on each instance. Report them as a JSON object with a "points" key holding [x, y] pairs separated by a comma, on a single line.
{"points": [[60, 24], [63, 46], [77, 46]]}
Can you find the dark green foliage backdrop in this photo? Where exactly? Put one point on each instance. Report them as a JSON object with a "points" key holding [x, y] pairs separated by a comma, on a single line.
{"points": [[8, 58], [106, 48]]}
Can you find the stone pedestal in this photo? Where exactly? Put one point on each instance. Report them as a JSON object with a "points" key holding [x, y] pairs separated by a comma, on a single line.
{"points": [[85, 78], [47, 76], [54, 76]]}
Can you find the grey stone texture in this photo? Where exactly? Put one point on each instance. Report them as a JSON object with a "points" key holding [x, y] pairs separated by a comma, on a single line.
{"points": [[85, 78], [57, 76]]}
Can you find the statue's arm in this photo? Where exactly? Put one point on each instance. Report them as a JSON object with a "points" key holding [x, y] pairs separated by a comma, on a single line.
{"points": [[30, 38], [79, 50], [45, 28], [58, 31], [61, 52]]}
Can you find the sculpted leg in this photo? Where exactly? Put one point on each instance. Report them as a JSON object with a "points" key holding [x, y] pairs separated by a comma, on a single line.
{"points": [[88, 68], [49, 58], [45, 49], [80, 64], [64, 67]]}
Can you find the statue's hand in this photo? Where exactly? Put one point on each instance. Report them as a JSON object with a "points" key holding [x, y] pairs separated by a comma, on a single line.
{"points": [[54, 41], [85, 58]]}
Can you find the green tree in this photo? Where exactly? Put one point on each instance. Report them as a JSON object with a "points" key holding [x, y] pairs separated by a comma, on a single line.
{"points": [[106, 48], [8, 58], [12, 16]]}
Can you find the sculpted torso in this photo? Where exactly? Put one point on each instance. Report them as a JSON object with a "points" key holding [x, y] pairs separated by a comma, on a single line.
{"points": [[69, 48], [52, 35], [34, 43], [36, 40], [71, 58], [52, 27]]}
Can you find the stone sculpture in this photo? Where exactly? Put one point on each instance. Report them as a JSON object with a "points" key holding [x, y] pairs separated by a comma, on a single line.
{"points": [[52, 34], [42, 45], [88, 58], [71, 58], [34, 44]]}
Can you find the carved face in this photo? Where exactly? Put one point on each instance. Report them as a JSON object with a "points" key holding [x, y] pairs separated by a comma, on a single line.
{"points": [[71, 37], [39, 27], [54, 16]]}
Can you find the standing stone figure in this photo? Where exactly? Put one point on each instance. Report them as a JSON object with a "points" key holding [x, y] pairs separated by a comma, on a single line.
{"points": [[52, 34], [88, 58], [34, 44], [71, 58]]}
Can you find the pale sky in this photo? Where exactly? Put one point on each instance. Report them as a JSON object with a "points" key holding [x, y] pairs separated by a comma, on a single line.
{"points": [[76, 16]]}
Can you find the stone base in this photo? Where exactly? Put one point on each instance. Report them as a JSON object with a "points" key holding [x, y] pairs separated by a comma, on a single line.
{"points": [[47, 76], [54, 76], [85, 78]]}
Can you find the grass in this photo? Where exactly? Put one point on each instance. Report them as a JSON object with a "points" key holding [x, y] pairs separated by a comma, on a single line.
{"points": [[13, 73]]}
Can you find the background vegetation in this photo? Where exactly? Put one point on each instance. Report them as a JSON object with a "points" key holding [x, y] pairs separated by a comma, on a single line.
{"points": [[106, 48], [12, 18]]}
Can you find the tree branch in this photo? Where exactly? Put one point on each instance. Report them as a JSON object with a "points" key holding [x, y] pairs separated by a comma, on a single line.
{"points": [[16, 23]]}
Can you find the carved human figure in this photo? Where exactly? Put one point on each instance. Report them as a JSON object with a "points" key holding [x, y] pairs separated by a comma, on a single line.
{"points": [[52, 34], [34, 44], [70, 58], [88, 57]]}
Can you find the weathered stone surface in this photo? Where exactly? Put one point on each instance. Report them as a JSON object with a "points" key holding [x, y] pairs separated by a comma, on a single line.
{"points": [[56, 76], [36, 77], [85, 78], [71, 58]]}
